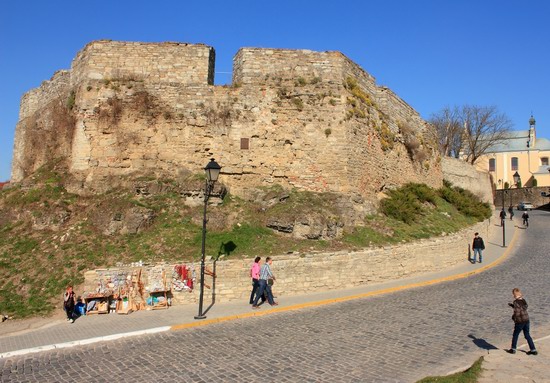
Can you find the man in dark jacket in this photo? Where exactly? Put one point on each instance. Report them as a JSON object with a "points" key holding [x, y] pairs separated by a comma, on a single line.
{"points": [[521, 323], [525, 218], [478, 247], [502, 216]]}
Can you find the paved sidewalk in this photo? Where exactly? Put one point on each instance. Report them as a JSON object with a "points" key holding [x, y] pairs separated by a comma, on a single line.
{"points": [[90, 329], [499, 366]]}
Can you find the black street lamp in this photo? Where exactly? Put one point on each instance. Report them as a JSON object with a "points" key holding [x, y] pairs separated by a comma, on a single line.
{"points": [[517, 178], [503, 221], [503, 215], [212, 172], [517, 181]]}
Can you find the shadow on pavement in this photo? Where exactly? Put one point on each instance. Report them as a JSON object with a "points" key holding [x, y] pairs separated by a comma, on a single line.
{"points": [[482, 343]]}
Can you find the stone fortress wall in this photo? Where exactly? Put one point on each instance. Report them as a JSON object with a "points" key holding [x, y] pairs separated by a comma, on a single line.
{"points": [[40, 97], [290, 117], [32, 104], [173, 63], [461, 173], [311, 120], [310, 273]]}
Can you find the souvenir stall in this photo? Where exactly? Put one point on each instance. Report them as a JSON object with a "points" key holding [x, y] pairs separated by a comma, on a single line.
{"points": [[158, 289], [127, 289]]}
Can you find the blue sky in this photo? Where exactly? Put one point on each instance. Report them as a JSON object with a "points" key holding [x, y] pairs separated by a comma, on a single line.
{"points": [[431, 53]]}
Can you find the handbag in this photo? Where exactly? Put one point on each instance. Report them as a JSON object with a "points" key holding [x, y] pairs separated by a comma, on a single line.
{"points": [[270, 281]]}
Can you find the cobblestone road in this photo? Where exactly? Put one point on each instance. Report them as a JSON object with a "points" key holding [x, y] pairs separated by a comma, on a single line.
{"points": [[399, 337]]}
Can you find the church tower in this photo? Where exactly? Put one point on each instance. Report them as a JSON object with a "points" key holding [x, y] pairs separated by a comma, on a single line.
{"points": [[532, 133]]}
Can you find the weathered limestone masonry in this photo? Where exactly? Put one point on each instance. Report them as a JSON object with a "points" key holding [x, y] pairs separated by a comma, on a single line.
{"points": [[356, 121], [311, 120], [305, 273], [173, 63], [41, 129], [466, 176]]}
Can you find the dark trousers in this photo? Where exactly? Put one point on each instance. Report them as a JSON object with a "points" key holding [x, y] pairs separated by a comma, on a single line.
{"points": [[519, 327], [69, 310], [269, 294], [255, 288], [264, 287]]}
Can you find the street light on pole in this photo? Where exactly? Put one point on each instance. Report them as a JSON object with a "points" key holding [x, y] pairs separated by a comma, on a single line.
{"points": [[517, 179], [212, 173], [517, 182], [502, 214]]}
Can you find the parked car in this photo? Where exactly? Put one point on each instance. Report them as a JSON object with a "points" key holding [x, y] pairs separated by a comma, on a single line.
{"points": [[525, 206]]}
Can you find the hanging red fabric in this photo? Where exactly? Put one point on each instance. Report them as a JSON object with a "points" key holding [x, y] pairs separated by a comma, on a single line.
{"points": [[182, 271]]}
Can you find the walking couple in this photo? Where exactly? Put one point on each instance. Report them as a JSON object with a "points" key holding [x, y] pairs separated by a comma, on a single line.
{"points": [[262, 279]]}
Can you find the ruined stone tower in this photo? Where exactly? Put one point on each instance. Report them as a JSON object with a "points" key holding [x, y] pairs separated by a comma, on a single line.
{"points": [[298, 118]]}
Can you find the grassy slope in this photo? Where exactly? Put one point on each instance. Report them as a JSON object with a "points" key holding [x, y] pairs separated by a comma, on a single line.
{"points": [[471, 375], [36, 263]]}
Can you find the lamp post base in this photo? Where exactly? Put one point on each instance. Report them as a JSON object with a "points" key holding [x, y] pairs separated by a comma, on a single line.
{"points": [[200, 316]]}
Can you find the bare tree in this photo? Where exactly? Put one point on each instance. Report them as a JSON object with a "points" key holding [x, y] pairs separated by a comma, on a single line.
{"points": [[469, 130], [484, 127], [449, 128]]}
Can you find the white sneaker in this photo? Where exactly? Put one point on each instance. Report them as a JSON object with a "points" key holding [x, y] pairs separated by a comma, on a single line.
{"points": [[72, 320]]}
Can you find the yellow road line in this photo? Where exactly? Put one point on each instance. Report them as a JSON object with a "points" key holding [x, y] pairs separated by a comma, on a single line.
{"points": [[323, 302]]}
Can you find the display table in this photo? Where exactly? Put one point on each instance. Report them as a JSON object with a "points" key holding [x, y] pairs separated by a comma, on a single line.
{"points": [[162, 304], [103, 301]]}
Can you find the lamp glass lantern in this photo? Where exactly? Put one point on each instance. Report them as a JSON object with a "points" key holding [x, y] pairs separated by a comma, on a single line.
{"points": [[212, 171], [517, 178]]}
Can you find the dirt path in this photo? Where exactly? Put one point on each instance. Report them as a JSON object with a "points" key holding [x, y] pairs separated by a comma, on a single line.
{"points": [[21, 326]]}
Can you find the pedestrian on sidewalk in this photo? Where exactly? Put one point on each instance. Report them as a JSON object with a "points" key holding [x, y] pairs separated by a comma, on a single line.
{"points": [[502, 216], [478, 245], [521, 323], [525, 218], [255, 275], [265, 275], [69, 301], [511, 212]]}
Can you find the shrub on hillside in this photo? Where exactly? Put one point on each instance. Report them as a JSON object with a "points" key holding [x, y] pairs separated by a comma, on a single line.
{"points": [[465, 201], [405, 203], [423, 192]]}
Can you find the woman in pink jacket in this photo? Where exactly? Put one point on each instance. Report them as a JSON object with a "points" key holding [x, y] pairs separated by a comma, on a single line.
{"points": [[255, 275]]}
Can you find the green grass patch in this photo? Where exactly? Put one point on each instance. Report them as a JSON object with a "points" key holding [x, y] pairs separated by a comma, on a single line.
{"points": [[366, 236], [471, 375], [243, 239]]}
